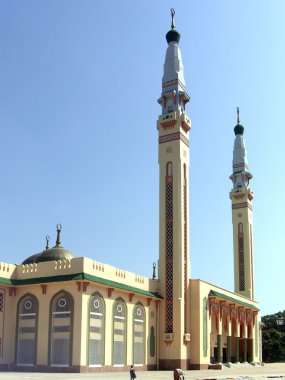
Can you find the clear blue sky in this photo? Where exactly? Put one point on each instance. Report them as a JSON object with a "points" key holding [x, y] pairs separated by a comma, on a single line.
{"points": [[79, 82]]}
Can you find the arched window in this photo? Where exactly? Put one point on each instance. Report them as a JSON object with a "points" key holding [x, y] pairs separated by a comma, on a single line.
{"points": [[61, 330], [27, 331], [169, 169], [139, 334], [119, 333], [96, 330]]}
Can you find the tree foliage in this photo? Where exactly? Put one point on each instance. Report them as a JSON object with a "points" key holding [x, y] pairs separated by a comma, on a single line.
{"points": [[273, 338]]}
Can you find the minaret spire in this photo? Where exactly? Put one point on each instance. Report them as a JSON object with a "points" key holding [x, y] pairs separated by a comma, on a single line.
{"points": [[174, 96], [174, 266], [241, 196]]}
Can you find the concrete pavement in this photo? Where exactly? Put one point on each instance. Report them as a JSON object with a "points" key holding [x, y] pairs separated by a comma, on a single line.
{"points": [[242, 372]]}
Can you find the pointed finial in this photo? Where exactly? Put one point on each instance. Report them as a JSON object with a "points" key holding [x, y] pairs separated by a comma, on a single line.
{"points": [[154, 270], [47, 240], [58, 229], [238, 129], [172, 17]]}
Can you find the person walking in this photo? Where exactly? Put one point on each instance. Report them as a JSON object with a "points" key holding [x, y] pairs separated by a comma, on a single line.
{"points": [[178, 374], [132, 373]]}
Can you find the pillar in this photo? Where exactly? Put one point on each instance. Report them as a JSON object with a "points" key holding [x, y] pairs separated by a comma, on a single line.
{"points": [[229, 343]]}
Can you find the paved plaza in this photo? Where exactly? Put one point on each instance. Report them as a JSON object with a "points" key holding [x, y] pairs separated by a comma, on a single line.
{"points": [[248, 372]]}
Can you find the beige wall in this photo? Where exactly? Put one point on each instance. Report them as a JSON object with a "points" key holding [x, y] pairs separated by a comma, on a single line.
{"points": [[80, 317]]}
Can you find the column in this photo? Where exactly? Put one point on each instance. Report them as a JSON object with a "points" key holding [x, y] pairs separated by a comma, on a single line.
{"points": [[237, 340], [219, 340], [229, 341], [245, 344]]}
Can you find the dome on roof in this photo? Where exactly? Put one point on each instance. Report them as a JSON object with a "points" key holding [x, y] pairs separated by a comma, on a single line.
{"points": [[56, 253], [51, 254]]}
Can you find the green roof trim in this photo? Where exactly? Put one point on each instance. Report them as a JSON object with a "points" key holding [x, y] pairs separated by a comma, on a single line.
{"points": [[221, 295], [5, 281], [76, 277]]}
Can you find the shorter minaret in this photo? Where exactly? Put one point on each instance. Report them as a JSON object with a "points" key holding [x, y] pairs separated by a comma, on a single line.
{"points": [[241, 196]]}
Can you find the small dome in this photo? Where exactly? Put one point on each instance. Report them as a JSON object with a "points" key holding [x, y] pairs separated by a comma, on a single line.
{"points": [[55, 253], [239, 129], [51, 254], [172, 36]]}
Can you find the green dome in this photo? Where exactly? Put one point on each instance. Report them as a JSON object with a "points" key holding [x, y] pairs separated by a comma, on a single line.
{"points": [[55, 253], [172, 36], [239, 129], [51, 254]]}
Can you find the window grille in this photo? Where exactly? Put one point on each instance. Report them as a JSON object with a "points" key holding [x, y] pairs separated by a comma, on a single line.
{"points": [[1, 302], [27, 331], [96, 331], [139, 334], [185, 215], [61, 330], [169, 247], [119, 333], [241, 258]]}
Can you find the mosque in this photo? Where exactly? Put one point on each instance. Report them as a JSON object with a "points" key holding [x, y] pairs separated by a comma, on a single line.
{"points": [[63, 313]]}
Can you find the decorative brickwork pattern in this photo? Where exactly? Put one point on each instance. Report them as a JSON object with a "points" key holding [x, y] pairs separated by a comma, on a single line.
{"points": [[1, 302], [173, 137], [169, 248], [185, 216], [241, 257]]}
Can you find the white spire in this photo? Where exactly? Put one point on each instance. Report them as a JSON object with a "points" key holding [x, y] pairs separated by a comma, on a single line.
{"points": [[173, 96], [239, 155], [241, 174], [173, 66]]}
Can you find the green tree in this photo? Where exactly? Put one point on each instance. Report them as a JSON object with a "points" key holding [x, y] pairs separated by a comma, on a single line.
{"points": [[273, 339]]}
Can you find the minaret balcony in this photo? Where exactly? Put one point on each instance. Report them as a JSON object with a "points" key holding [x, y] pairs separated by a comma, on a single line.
{"points": [[185, 122], [238, 194], [250, 194], [167, 121]]}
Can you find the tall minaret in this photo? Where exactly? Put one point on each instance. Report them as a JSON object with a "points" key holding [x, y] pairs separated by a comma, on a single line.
{"points": [[173, 128], [241, 196]]}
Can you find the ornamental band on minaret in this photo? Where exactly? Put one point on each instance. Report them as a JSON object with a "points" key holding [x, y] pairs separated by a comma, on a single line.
{"points": [[173, 128], [241, 196]]}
